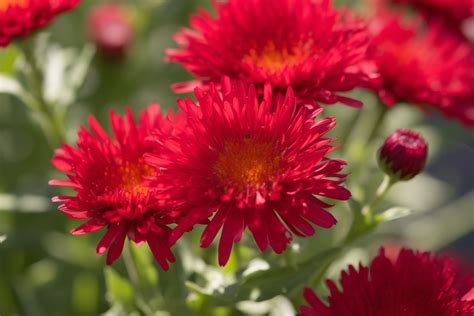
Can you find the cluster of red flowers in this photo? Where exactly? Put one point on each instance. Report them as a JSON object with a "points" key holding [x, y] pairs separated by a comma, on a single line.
{"points": [[248, 154], [252, 153], [245, 160]]}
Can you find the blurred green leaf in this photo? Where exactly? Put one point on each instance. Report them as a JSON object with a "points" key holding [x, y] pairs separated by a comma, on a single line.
{"points": [[173, 289], [7, 59], [86, 302], [265, 284], [9, 85], [64, 71], [393, 214], [147, 271], [120, 292]]}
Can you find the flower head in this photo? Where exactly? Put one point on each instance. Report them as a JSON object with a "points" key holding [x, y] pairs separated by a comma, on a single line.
{"points": [[109, 176], [19, 17], [250, 162], [416, 284], [403, 154], [110, 28], [423, 64], [307, 45]]}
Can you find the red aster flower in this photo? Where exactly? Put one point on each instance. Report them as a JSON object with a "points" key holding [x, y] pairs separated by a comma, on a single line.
{"points": [[417, 284], [403, 154], [110, 28], [423, 64], [252, 163], [307, 45], [19, 17], [108, 175]]}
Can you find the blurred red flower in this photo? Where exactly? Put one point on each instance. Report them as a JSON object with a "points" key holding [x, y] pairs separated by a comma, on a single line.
{"points": [[252, 163], [403, 154], [19, 17], [423, 64], [108, 175], [110, 28], [307, 45], [453, 11], [416, 284]]}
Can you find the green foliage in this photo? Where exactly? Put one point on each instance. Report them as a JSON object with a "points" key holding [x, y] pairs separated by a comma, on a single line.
{"points": [[120, 294]]}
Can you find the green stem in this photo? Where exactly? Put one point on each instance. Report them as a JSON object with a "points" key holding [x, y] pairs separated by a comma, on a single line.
{"points": [[288, 258], [369, 209], [350, 128], [363, 223], [379, 119], [134, 275], [316, 281], [54, 120], [357, 161]]}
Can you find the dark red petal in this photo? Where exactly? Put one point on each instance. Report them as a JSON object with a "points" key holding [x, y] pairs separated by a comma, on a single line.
{"points": [[213, 227], [278, 235], [304, 228], [107, 239], [318, 215], [193, 217], [97, 128], [116, 247], [231, 232], [160, 248], [89, 226]]}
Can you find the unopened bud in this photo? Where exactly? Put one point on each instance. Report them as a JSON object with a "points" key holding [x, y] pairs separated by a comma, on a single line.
{"points": [[403, 155], [110, 28]]}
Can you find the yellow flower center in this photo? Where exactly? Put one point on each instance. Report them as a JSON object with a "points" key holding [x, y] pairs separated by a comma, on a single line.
{"points": [[5, 4], [275, 59], [132, 176], [247, 163]]}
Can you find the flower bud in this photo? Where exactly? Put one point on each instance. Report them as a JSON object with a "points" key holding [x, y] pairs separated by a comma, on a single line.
{"points": [[403, 155], [110, 28]]}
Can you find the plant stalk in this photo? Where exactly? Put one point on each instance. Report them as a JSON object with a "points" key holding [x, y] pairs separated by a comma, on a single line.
{"points": [[54, 130]]}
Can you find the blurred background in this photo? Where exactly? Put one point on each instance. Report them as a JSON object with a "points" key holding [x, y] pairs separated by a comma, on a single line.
{"points": [[46, 271]]}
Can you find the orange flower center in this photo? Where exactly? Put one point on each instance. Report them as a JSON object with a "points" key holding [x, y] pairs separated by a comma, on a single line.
{"points": [[5, 4], [132, 176], [247, 163], [275, 59]]}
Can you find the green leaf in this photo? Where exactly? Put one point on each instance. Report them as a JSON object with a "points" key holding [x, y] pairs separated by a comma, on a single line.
{"points": [[266, 284], [9, 85], [172, 288], [147, 271], [393, 214], [120, 293], [65, 70], [78, 70]]}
